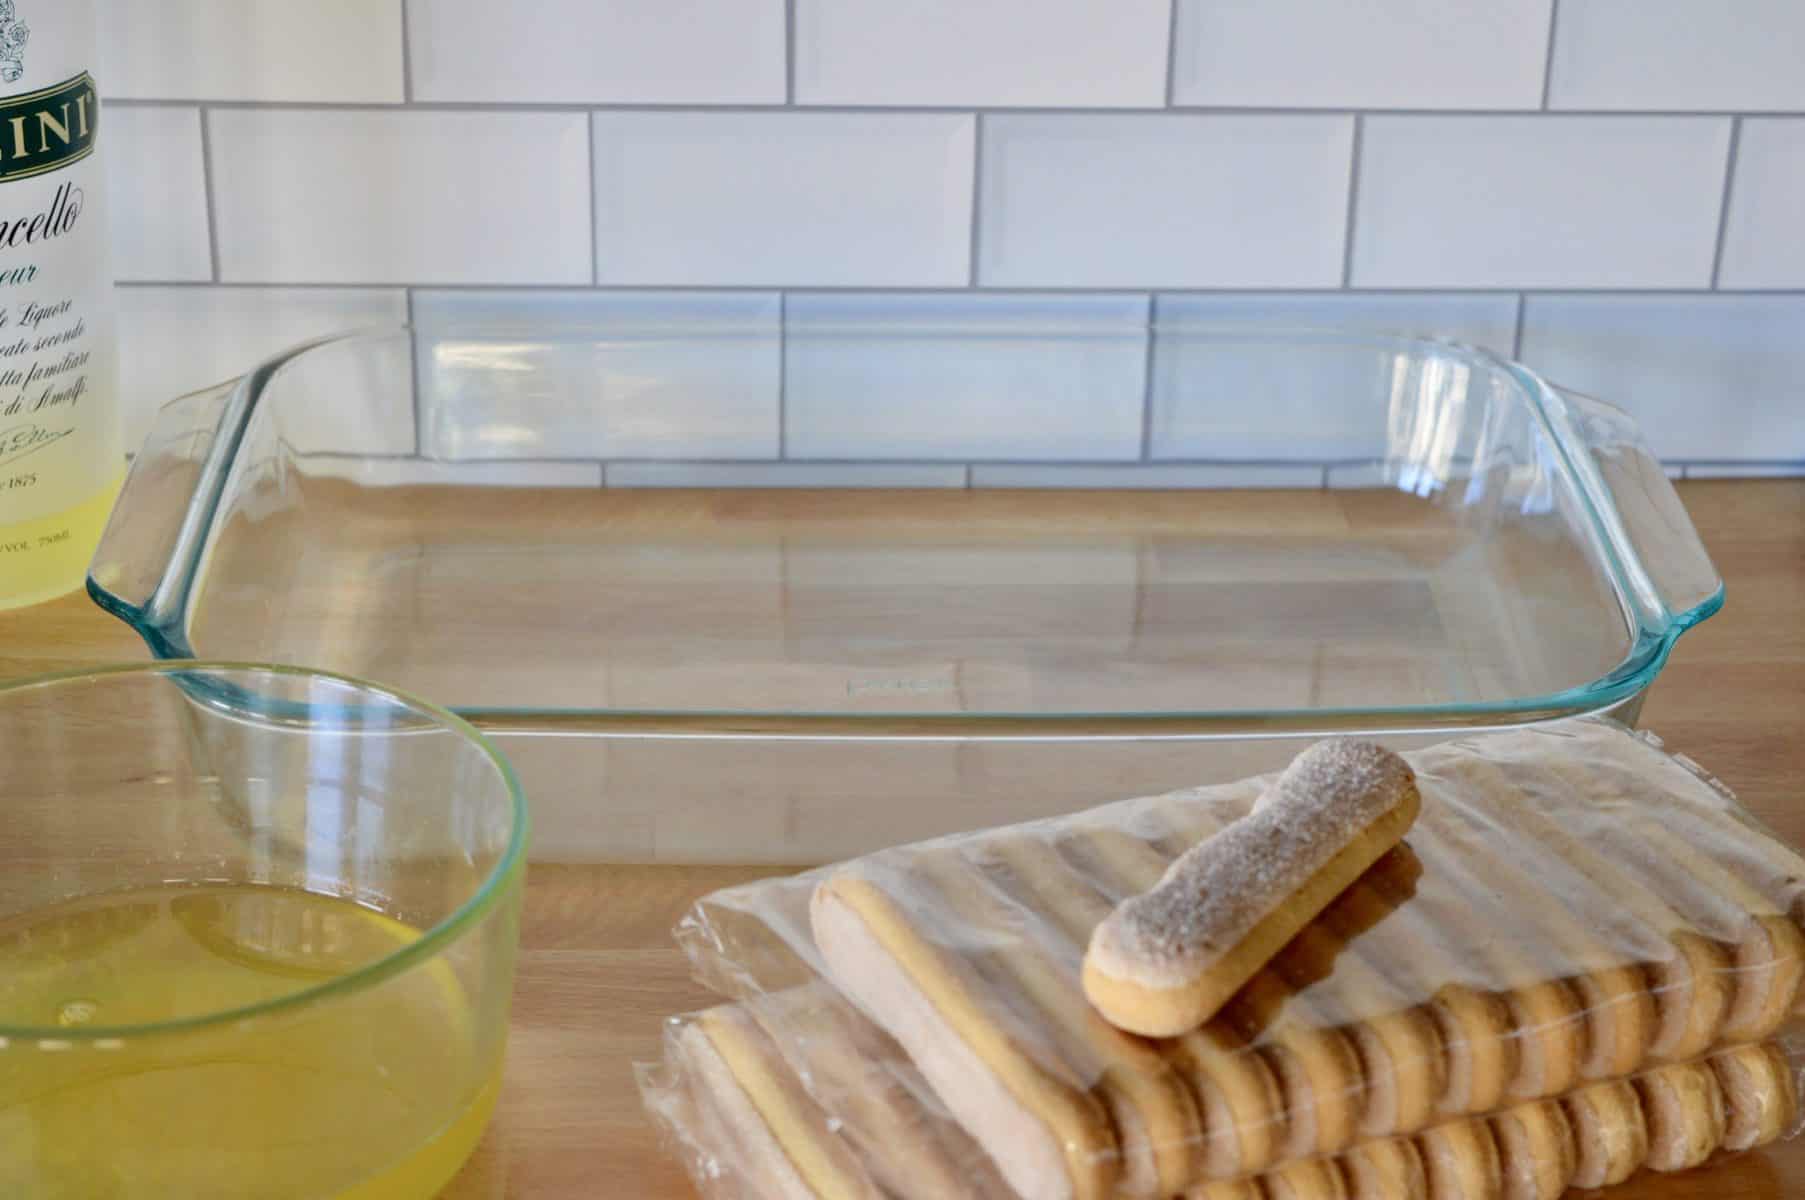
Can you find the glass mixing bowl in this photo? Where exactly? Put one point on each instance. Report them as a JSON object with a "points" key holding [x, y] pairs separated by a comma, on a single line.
{"points": [[257, 936]]}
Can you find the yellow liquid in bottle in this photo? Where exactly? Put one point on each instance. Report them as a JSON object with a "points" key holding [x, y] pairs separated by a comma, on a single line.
{"points": [[379, 1094], [48, 557]]}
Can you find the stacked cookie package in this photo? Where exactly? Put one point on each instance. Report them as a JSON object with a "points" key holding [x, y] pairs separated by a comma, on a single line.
{"points": [[1580, 961]]}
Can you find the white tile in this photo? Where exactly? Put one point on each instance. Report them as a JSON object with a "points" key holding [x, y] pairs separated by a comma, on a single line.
{"points": [[381, 197], [156, 193], [1001, 52], [1484, 319], [1163, 201], [422, 472], [785, 475], [177, 340], [790, 198], [965, 376], [339, 51], [598, 51], [1241, 377], [1707, 377], [599, 375], [1126, 477], [1355, 476], [1764, 245], [1376, 54], [1767, 470], [1679, 54], [1539, 201]]}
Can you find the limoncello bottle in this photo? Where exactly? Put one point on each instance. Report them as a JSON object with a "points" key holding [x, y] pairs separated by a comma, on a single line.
{"points": [[60, 451]]}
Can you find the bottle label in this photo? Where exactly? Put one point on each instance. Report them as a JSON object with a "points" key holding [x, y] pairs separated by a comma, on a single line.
{"points": [[41, 131], [59, 435]]}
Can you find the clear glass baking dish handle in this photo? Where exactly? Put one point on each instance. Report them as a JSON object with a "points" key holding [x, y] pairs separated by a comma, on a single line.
{"points": [[145, 565], [1666, 573]]}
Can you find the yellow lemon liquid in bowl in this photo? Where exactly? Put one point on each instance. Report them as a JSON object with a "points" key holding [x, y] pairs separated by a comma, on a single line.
{"points": [[375, 1093]]}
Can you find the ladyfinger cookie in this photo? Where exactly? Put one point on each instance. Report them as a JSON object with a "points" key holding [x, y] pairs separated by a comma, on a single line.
{"points": [[1761, 1097], [1307, 1036], [1474, 1027], [1238, 1094], [1395, 1038], [878, 1103], [1618, 1011], [1689, 981], [1461, 1161], [1609, 1133], [1769, 954], [1314, 1179], [1684, 1108], [1047, 1132], [1536, 1149], [1547, 1020], [1158, 1133], [1385, 1169], [777, 1136], [1167, 960]]}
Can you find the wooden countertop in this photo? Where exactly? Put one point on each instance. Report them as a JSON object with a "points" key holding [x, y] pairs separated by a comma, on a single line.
{"points": [[596, 939]]}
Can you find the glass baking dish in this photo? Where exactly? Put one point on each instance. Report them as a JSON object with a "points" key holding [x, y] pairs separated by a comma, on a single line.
{"points": [[533, 523]]}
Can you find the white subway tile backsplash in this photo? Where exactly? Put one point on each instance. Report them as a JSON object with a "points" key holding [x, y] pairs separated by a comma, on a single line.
{"points": [[375, 197], [337, 51], [176, 340], [599, 51], [1163, 201], [646, 374], [1214, 397], [490, 158], [1457, 201], [1764, 243], [790, 198], [1126, 477], [1707, 377], [1001, 52], [1679, 54], [785, 475], [1376, 54], [156, 194], [964, 376]]}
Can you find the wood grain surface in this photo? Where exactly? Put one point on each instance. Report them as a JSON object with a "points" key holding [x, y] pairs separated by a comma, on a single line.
{"points": [[598, 971]]}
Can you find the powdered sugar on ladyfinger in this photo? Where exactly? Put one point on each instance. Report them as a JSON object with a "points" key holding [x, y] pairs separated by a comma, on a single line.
{"points": [[1331, 798]]}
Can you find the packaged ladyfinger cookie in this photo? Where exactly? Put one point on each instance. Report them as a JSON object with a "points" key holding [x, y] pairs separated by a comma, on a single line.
{"points": [[744, 1119], [1367, 946]]}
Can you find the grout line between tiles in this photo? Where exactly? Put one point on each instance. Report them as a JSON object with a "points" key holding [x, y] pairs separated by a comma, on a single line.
{"points": [[595, 239], [783, 375], [1353, 200], [789, 52], [943, 290], [407, 58], [207, 193], [1147, 385], [1723, 205], [413, 374], [1171, 53], [977, 197], [1516, 337], [1554, 17], [1091, 110]]}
